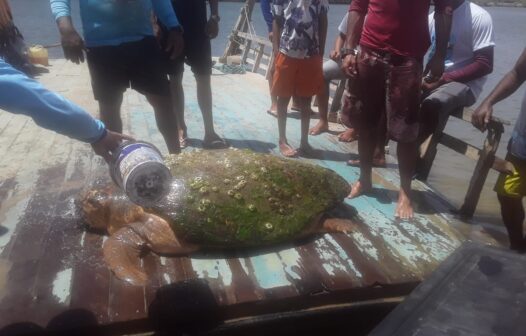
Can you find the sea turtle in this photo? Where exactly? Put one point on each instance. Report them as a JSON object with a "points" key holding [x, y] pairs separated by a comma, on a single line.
{"points": [[218, 199]]}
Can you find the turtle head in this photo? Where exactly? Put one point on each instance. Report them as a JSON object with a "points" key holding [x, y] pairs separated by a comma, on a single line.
{"points": [[107, 210]]}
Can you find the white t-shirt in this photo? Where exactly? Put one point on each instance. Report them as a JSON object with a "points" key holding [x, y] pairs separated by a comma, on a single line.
{"points": [[471, 30], [342, 28]]}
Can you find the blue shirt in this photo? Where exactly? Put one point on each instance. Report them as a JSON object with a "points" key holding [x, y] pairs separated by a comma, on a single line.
{"points": [[22, 95], [113, 22], [267, 13]]}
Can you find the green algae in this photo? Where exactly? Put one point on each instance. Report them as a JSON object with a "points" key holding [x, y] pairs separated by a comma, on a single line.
{"points": [[241, 198]]}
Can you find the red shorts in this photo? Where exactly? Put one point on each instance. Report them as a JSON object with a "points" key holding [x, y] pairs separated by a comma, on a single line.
{"points": [[297, 77]]}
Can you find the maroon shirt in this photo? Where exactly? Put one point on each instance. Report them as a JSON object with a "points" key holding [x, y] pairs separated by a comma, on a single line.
{"points": [[397, 26]]}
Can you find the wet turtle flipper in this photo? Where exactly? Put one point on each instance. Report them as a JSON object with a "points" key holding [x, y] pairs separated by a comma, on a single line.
{"points": [[123, 249], [333, 225], [122, 253]]}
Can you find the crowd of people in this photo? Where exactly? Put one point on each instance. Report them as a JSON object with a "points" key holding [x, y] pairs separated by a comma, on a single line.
{"points": [[405, 69]]}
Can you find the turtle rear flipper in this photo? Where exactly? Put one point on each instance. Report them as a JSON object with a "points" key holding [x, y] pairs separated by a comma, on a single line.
{"points": [[123, 249]]}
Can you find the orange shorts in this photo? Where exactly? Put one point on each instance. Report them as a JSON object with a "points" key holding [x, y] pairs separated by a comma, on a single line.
{"points": [[297, 77]]}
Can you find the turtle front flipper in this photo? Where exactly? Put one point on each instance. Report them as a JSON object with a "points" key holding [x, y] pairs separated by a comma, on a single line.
{"points": [[123, 250], [333, 225]]}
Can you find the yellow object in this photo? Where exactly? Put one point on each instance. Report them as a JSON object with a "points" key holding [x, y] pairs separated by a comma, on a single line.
{"points": [[38, 55], [513, 185]]}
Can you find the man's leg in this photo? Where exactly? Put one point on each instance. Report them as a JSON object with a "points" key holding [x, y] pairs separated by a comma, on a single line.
{"points": [[331, 70], [304, 102], [177, 91], [204, 99], [284, 147], [166, 120], [366, 144], [512, 213], [323, 108], [403, 108], [110, 112], [407, 153]]}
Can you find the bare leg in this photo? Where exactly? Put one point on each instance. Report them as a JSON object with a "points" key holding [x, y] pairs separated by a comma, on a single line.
{"points": [[304, 104], [379, 148], [273, 99], [176, 87], [166, 121], [204, 99], [366, 145], [323, 108], [512, 214], [110, 113], [284, 147], [407, 154]]}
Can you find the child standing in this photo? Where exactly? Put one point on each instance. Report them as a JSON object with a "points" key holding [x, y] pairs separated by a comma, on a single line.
{"points": [[299, 30]]}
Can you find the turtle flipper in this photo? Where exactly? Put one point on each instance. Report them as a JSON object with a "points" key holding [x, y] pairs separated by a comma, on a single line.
{"points": [[332, 225], [123, 249], [122, 253]]}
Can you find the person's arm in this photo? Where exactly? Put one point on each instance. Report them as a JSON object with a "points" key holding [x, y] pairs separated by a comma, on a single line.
{"points": [[357, 12], [480, 66], [212, 26], [267, 14], [72, 43], [322, 30], [22, 95], [338, 45], [508, 85], [277, 24], [443, 18], [164, 11]]}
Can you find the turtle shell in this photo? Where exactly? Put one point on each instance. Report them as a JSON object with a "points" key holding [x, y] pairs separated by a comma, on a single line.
{"points": [[228, 198]]}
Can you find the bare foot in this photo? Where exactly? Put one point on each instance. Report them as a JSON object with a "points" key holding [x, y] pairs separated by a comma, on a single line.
{"points": [[377, 162], [287, 150], [320, 127], [404, 208], [349, 135], [273, 112], [359, 188]]}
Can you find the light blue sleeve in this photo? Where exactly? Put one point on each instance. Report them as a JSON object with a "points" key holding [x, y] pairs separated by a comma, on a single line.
{"points": [[165, 12], [60, 8], [21, 95]]}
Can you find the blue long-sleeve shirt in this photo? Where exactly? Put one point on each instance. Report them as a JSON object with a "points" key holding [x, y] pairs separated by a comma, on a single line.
{"points": [[267, 13], [22, 95], [110, 23]]}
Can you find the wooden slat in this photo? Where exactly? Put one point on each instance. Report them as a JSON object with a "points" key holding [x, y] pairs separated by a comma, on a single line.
{"points": [[473, 153]]}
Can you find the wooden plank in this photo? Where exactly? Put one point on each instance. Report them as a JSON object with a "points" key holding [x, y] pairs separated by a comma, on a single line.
{"points": [[260, 50], [246, 51], [484, 164], [255, 38], [474, 153]]}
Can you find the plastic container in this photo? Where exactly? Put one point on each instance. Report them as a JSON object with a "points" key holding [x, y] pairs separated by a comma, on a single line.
{"points": [[38, 55], [139, 169]]}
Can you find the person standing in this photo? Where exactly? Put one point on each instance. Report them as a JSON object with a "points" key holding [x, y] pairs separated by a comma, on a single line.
{"points": [[510, 188], [299, 33], [393, 41], [197, 53], [331, 71], [122, 52]]}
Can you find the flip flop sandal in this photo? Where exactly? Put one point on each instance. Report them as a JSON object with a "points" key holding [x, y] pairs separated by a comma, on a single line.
{"points": [[183, 142], [215, 144], [272, 113]]}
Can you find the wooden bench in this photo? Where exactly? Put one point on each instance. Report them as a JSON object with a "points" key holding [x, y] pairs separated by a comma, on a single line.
{"points": [[485, 156]]}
